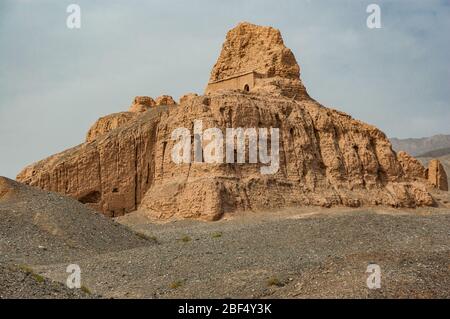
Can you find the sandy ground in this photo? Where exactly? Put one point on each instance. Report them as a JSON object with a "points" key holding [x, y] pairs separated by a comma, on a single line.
{"points": [[289, 253]]}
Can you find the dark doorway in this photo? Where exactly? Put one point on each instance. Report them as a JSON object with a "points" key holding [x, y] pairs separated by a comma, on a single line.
{"points": [[246, 88]]}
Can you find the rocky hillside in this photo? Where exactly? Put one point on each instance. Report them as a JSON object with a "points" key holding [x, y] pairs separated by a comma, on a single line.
{"points": [[326, 158], [419, 146]]}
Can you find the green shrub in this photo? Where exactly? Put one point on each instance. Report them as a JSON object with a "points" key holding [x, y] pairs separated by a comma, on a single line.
{"points": [[216, 235], [273, 281], [176, 284]]}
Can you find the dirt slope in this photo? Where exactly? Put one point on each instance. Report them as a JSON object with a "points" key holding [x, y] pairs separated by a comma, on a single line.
{"points": [[38, 226]]}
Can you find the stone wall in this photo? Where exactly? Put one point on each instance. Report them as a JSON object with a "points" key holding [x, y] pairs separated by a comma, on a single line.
{"points": [[237, 82]]}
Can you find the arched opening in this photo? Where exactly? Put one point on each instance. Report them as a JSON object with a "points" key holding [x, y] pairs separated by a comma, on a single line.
{"points": [[246, 88]]}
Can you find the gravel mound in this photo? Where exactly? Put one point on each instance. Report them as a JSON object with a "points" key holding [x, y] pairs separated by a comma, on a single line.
{"points": [[42, 227], [20, 282]]}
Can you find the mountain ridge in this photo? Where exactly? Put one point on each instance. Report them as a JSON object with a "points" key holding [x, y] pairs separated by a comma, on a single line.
{"points": [[418, 146]]}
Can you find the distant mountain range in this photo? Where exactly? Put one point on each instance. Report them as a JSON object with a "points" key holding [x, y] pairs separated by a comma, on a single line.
{"points": [[427, 148], [444, 159], [423, 147]]}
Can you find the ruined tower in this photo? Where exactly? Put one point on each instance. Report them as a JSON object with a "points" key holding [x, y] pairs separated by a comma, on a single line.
{"points": [[255, 59]]}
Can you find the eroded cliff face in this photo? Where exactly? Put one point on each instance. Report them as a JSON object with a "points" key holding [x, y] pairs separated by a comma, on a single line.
{"points": [[249, 47], [326, 157], [252, 48], [110, 173], [108, 123]]}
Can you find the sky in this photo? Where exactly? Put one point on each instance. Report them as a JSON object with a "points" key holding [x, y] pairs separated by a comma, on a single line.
{"points": [[55, 82]]}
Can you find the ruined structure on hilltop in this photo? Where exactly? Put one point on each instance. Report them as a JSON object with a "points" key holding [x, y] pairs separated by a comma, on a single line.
{"points": [[255, 59], [326, 157], [244, 82]]}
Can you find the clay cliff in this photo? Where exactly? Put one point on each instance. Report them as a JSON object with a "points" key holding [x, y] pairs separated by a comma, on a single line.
{"points": [[420, 146], [326, 157], [251, 48]]}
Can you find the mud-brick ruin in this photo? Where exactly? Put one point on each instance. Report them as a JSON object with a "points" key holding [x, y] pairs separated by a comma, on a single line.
{"points": [[244, 82], [327, 158]]}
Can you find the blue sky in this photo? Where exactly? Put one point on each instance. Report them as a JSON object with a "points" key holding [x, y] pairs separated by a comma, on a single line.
{"points": [[55, 82]]}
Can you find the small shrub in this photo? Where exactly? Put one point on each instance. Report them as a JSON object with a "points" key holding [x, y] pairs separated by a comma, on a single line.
{"points": [[85, 290], [38, 277], [176, 284], [185, 239], [216, 235], [147, 237], [31, 273], [25, 269]]}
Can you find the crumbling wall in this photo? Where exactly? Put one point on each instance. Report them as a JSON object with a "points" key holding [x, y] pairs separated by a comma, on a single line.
{"points": [[238, 82]]}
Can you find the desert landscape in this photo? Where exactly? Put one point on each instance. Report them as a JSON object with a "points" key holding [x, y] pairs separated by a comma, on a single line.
{"points": [[284, 253], [140, 225]]}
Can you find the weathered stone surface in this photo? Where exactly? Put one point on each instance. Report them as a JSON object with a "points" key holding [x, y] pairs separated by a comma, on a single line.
{"points": [[326, 157], [252, 48], [111, 174], [144, 100], [187, 97], [437, 175], [108, 123], [142, 104], [165, 100], [249, 47], [412, 167]]}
